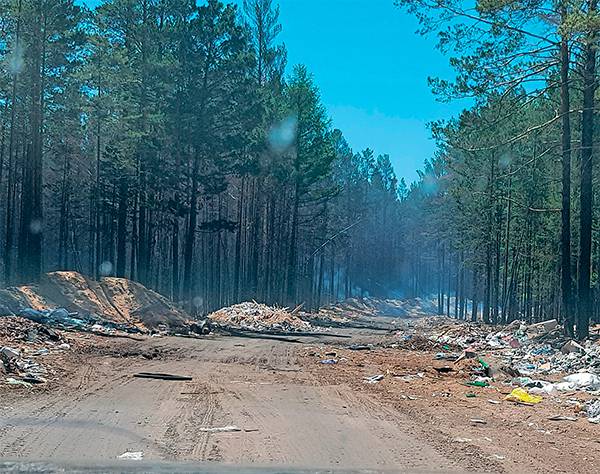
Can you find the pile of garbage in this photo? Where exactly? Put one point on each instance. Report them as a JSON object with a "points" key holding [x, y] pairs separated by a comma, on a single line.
{"points": [[22, 330], [530, 358], [60, 318], [539, 348], [22, 344], [254, 316]]}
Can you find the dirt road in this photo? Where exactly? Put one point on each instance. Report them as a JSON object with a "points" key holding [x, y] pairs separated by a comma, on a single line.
{"points": [[292, 412], [288, 416]]}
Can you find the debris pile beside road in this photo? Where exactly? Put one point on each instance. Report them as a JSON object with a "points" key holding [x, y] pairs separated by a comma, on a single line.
{"points": [[22, 344], [528, 358], [17, 329], [539, 348], [60, 318], [255, 316]]}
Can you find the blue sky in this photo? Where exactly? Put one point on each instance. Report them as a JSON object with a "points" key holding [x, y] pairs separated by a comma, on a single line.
{"points": [[372, 69]]}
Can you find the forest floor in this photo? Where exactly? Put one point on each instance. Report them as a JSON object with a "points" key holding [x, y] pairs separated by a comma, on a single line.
{"points": [[291, 411]]}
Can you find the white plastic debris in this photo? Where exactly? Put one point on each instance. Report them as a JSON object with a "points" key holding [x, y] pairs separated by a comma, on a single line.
{"points": [[132, 455], [13, 381], [583, 380], [374, 378], [221, 429]]}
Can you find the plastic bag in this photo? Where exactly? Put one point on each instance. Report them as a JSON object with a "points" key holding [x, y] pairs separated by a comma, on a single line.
{"points": [[520, 395], [583, 380]]}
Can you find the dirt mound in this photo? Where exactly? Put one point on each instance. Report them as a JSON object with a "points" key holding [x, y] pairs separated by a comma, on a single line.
{"points": [[258, 317], [135, 302], [116, 300]]}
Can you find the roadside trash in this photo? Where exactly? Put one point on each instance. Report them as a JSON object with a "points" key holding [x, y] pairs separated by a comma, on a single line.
{"points": [[469, 354], [478, 383], [542, 328], [499, 457], [373, 378], [494, 402], [514, 343], [520, 395], [562, 418], [222, 429], [592, 410], [359, 347], [446, 356], [537, 387], [572, 346], [478, 421], [328, 361], [470, 395], [330, 354], [521, 349], [462, 440], [200, 327], [33, 379], [62, 319], [42, 352], [408, 378], [8, 353], [24, 371], [132, 455], [444, 369], [159, 376], [485, 367], [13, 381], [582, 380]]}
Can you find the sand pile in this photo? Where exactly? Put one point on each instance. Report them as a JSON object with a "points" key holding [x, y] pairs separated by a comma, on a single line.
{"points": [[116, 300]]}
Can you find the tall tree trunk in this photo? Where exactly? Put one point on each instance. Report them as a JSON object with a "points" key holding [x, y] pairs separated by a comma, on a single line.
{"points": [[237, 265], [586, 196], [292, 265], [11, 172], [474, 309], [190, 237], [122, 227], [440, 280], [30, 234], [565, 235], [175, 260], [506, 252]]}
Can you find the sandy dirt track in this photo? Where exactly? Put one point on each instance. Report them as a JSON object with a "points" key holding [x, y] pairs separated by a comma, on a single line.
{"points": [[292, 411], [289, 416]]}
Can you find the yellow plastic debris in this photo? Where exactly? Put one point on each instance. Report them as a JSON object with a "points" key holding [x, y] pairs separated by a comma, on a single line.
{"points": [[521, 395]]}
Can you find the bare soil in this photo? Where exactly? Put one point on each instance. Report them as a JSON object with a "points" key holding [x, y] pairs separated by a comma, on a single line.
{"points": [[292, 411]]}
